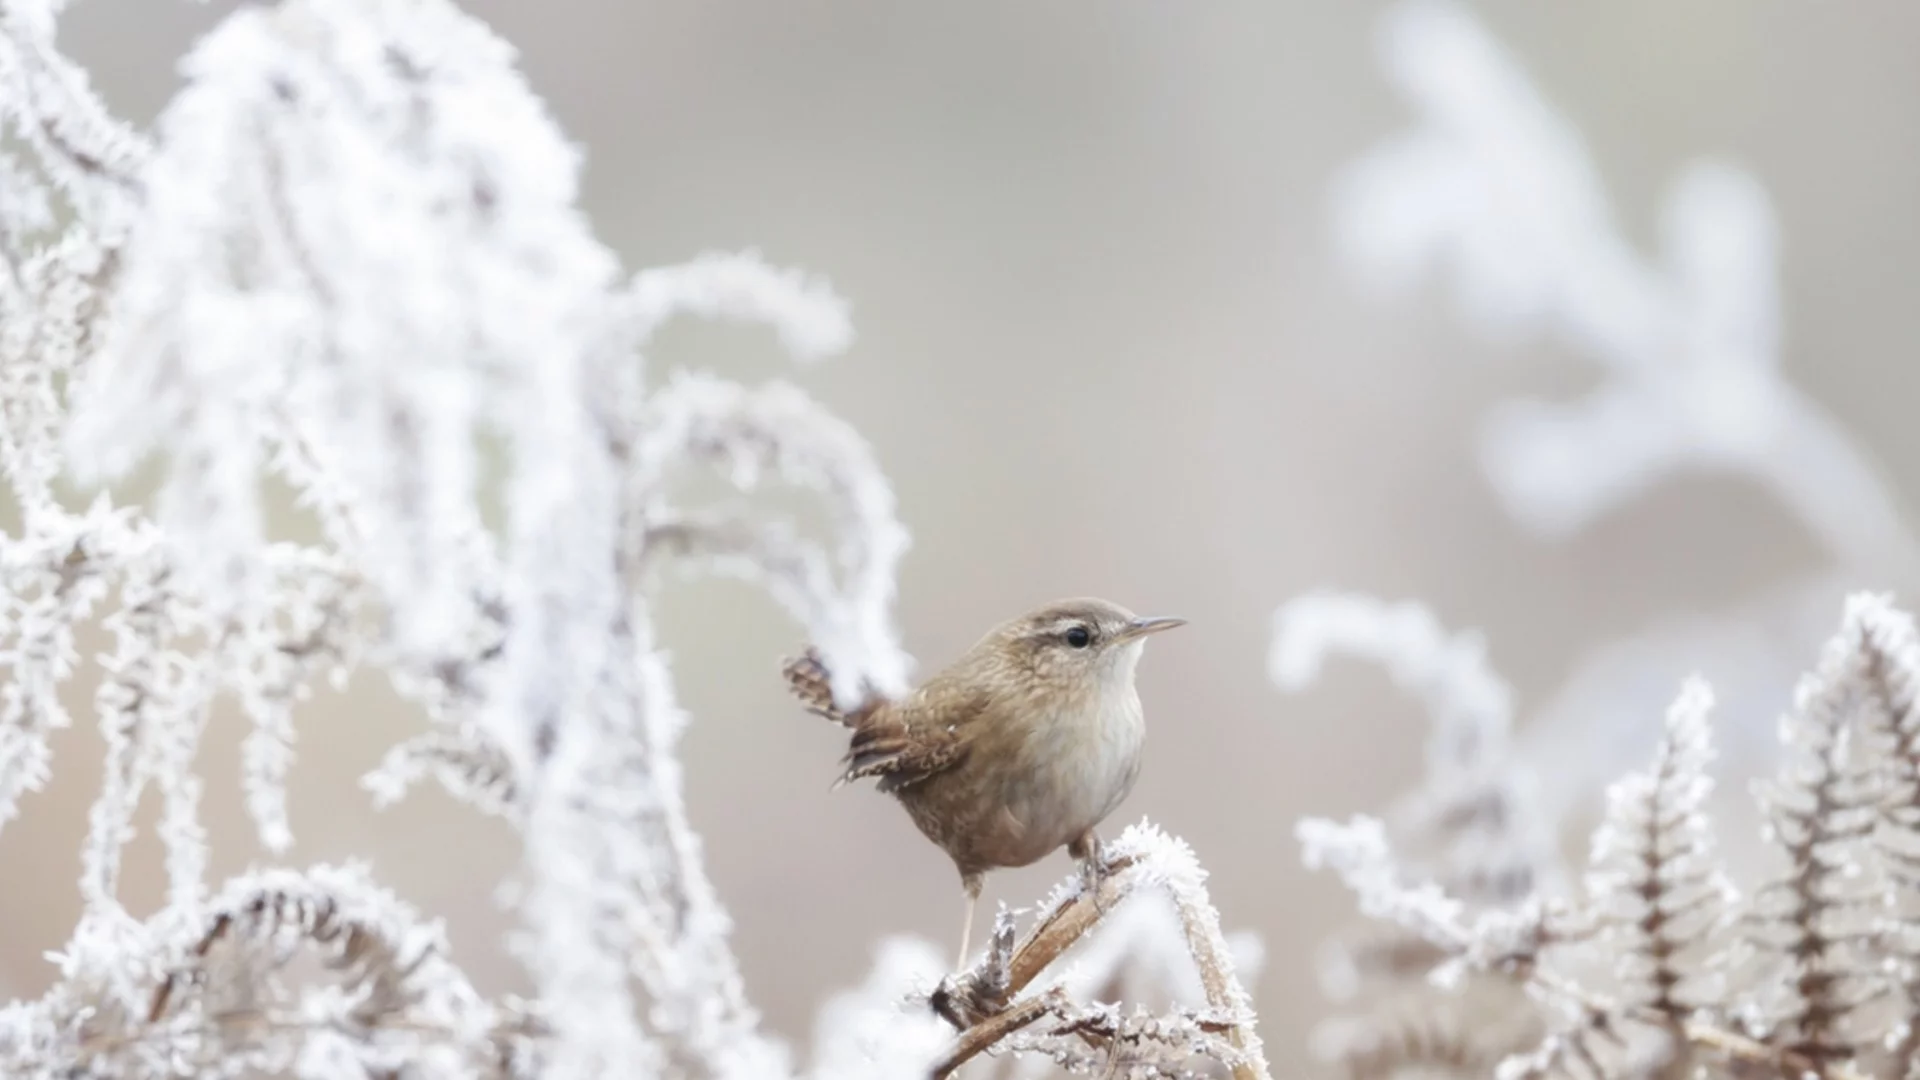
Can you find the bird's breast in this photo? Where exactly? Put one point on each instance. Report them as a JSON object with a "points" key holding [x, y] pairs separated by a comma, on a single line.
{"points": [[1076, 767]]}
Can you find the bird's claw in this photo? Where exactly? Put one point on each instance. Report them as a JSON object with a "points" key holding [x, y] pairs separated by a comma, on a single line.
{"points": [[1093, 871]]}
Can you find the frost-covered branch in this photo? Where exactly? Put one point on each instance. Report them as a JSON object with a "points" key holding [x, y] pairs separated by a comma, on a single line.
{"points": [[986, 1004]]}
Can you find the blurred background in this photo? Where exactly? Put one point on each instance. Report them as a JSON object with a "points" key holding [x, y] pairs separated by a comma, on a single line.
{"points": [[1109, 344]]}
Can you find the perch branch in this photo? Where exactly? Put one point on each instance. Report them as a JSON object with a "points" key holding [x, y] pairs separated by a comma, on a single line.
{"points": [[983, 1035], [977, 1000]]}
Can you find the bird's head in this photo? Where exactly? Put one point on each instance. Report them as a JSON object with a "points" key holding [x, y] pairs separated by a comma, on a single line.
{"points": [[1081, 645]]}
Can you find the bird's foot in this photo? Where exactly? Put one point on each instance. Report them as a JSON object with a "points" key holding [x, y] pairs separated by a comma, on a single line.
{"points": [[1093, 868]]}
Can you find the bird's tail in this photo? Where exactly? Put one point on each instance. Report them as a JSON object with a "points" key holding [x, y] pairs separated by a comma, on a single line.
{"points": [[810, 681]]}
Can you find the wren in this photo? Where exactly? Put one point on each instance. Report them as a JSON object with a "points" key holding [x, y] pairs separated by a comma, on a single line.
{"points": [[1023, 745]]}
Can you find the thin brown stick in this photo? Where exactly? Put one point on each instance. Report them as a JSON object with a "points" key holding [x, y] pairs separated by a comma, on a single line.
{"points": [[1705, 1036], [217, 1025], [978, 1038], [1059, 929], [1007, 968], [1741, 1048]]}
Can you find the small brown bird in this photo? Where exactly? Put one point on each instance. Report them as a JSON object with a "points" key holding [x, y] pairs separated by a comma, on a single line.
{"points": [[1024, 744]]}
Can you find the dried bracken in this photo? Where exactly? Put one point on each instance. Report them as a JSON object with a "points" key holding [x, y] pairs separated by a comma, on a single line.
{"points": [[1660, 895], [1657, 965]]}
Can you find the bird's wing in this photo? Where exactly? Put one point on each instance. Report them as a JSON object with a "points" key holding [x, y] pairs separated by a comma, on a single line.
{"points": [[905, 742], [902, 742]]}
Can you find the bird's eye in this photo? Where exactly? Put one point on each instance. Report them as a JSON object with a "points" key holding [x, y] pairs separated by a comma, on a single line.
{"points": [[1079, 637]]}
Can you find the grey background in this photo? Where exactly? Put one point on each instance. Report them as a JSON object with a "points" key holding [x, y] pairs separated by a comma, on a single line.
{"points": [[1104, 347]]}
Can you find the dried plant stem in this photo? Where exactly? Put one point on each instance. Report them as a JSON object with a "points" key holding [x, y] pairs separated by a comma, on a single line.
{"points": [[1222, 989], [1750, 1051], [262, 1022], [1057, 930], [978, 1038], [216, 1024], [1703, 1035]]}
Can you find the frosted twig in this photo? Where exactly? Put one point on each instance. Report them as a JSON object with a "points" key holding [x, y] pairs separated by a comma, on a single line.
{"points": [[1142, 857], [811, 319], [1472, 708]]}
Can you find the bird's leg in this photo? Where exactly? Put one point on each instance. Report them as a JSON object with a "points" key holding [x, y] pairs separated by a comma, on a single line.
{"points": [[1093, 865], [971, 883]]}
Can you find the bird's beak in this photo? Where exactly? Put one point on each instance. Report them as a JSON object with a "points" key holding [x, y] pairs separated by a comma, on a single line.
{"points": [[1152, 624]]}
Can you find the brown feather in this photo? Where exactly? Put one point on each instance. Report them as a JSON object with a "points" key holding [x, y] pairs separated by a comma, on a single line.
{"points": [[809, 680]]}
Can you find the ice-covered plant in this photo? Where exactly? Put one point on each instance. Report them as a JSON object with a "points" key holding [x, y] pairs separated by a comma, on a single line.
{"points": [[1656, 964]]}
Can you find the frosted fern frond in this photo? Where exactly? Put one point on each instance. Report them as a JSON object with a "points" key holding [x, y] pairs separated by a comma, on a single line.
{"points": [[1817, 922], [1890, 648], [1659, 963], [220, 990], [1656, 907], [1656, 884]]}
